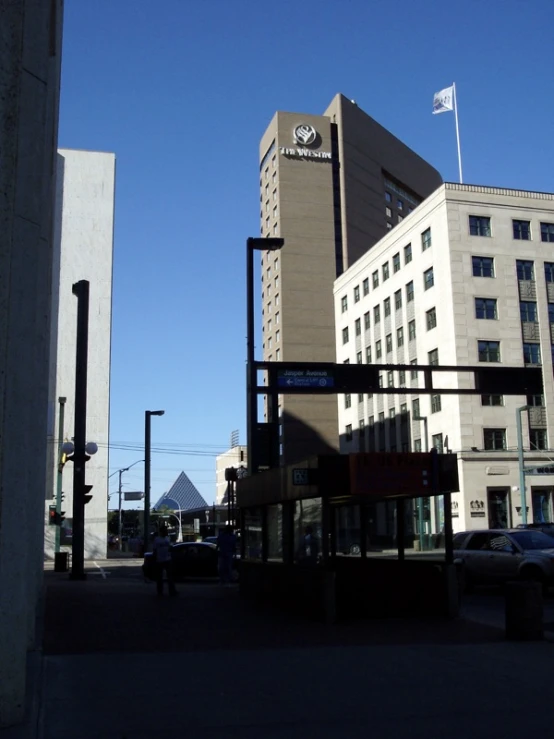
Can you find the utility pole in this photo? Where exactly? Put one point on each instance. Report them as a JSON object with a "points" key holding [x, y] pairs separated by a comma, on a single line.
{"points": [[81, 289], [147, 452]]}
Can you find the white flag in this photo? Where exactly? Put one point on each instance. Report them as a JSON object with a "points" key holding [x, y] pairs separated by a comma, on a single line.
{"points": [[443, 100]]}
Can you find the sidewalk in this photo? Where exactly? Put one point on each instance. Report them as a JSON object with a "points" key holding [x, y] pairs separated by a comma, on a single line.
{"points": [[123, 664]]}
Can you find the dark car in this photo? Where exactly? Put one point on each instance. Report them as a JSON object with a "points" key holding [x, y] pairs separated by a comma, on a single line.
{"points": [[546, 528], [189, 559]]}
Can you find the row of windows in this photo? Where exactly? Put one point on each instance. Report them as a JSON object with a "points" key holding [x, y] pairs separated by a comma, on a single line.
{"points": [[525, 268], [385, 271], [428, 282], [487, 309], [430, 322], [521, 230]]}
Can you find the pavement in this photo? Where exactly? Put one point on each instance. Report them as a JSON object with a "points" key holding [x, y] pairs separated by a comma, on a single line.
{"points": [[120, 663]]}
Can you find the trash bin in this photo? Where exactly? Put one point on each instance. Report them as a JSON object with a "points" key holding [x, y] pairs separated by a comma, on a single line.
{"points": [[524, 611], [61, 562]]}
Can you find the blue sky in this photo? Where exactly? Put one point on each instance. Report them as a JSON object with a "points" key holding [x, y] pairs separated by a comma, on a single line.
{"points": [[182, 90]]}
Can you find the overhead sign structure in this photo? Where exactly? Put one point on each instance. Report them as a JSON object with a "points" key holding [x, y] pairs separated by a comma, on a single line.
{"points": [[305, 378]]}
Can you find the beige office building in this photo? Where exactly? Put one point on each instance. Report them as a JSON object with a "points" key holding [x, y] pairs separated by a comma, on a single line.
{"points": [[466, 279], [331, 185]]}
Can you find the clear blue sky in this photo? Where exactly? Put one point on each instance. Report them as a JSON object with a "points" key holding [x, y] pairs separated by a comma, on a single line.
{"points": [[181, 91]]}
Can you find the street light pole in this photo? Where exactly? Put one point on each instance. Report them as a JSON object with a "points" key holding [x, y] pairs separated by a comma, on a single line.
{"points": [[522, 489], [120, 523], [147, 444], [253, 244]]}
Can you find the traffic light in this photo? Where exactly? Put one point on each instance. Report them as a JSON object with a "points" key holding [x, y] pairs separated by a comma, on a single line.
{"points": [[52, 515], [86, 497]]}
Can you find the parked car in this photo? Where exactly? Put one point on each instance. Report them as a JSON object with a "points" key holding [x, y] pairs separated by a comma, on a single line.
{"points": [[546, 528], [189, 559], [497, 555]]}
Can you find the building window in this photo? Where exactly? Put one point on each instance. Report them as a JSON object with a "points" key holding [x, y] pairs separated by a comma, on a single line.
{"points": [[348, 432], [375, 278], [390, 378], [386, 306], [409, 292], [538, 439], [268, 305], [417, 445], [483, 266], [407, 254], [486, 308], [551, 312], [277, 335], [345, 336], [413, 373], [479, 226], [388, 339], [386, 272], [359, 358], [433, 357], [426, 239], [396, 263], [528, 311], [388, 212], [358, 327], [365, 285], [376, 314], [547, 232], [399, 204], [494, 439], [378, 350], [357, 294], [343, 304], [522, 230], [277, 282], [398, 299], [428, 278], [277, 317], [492, 400], [431, 318], [537, 401], [403, 409], [401, 378], [274, 177], [347, 400], [411, 331], [389, 225], [274, 194], [368, 354], [525, 269], [276, 300], [532, 353], [392, 412], [489, 351], [549, 271], [415, 408], [400, 337], [437, 443], [277, 354], [435, 403], [388, 197], [362, 427], [367, 321], [360, 397]]}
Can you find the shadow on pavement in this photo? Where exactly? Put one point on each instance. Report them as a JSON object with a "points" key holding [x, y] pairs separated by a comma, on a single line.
{"points": [[114, 610]]}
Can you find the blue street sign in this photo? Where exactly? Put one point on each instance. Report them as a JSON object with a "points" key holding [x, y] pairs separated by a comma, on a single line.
{"points": [[305, 378]]}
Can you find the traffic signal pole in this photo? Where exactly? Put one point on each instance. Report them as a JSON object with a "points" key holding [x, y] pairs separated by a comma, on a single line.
{"points": [[81, 289], [57, 534]]}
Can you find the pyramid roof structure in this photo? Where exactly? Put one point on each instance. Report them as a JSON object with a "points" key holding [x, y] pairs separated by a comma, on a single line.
{"points": [[182, 496]]}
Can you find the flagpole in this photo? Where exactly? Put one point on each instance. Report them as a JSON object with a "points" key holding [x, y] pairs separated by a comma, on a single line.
{"points": [[457, 132]]}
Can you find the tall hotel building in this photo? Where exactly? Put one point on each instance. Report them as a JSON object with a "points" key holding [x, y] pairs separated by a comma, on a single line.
{"points": [[324, 183], [466, 279]]}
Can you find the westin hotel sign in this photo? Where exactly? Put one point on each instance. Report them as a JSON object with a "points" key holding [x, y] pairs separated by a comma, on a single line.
{"points": [[305, 135]]}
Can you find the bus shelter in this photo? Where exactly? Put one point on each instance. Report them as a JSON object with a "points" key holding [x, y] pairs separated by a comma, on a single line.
{"points": [[341, 536]]}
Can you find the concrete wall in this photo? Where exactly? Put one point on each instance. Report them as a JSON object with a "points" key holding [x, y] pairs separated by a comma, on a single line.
{"points": [[30, 57], [84, 228]]}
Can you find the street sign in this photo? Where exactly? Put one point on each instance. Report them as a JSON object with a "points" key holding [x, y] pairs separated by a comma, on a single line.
{"points": [[306, 378], [133, 496]]}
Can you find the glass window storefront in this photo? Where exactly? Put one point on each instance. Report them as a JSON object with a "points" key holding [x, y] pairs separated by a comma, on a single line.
{"points": [[275, 533], [253, 533], [308, 534]]}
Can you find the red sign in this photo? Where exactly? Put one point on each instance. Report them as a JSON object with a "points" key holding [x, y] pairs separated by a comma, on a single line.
{"points": [[391, 475]]}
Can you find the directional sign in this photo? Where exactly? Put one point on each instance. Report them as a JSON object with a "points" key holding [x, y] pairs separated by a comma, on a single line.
{"points": [[133, 495], [305, 378]]}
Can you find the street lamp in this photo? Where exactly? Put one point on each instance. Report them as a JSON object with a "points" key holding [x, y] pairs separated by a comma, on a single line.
{"points": [[252, 245], [420, 517], [523, 492], [147, 417], [119, 525]]}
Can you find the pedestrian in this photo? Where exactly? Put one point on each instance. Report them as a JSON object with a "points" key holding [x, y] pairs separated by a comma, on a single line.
{"points": [[226, 545], [309, 547], [161, 551]]}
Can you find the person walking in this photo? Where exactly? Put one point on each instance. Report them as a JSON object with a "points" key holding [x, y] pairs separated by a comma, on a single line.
{"points": [[161, 551], [226, 545]]}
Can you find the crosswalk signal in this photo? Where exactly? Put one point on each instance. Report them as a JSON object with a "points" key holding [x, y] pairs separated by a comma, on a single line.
{"points": [[52, 515]]}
